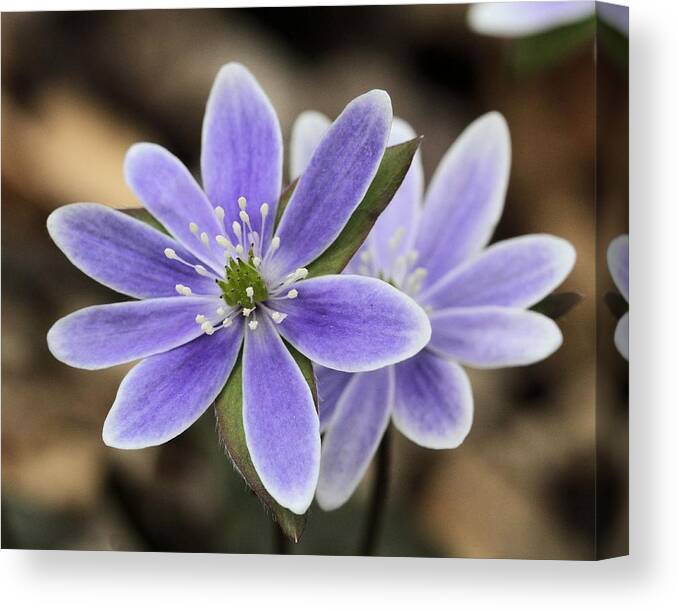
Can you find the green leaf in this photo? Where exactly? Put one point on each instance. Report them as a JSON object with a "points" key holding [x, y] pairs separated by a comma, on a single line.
{"points": [[228, 409], [284, 200], [555, 306], [392, 170], [545, 49], [144, 216]]}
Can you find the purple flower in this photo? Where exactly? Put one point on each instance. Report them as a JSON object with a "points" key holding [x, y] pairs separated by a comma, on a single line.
{"points": [[618, 262], [476, 299], [224, 279], [516, 19]]}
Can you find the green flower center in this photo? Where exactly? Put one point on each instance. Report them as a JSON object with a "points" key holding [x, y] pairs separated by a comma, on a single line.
{"points": [[242, 285]]}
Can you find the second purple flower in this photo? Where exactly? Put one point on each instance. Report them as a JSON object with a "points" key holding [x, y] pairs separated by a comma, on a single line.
{"points": [[476, 298]]}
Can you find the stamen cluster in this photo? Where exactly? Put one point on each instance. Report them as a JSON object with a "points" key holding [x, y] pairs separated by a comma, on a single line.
{"points": [[400, 270], [242, 284]]}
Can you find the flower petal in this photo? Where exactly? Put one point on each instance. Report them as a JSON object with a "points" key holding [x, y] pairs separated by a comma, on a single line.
{"points": [[352, 323], [396, 228], [171, 194], [242, 149], [466, 197], [517, 272], [513, 19], [105, 335], [164, 394], [621, 336], [434, 401], [618, 262], [330, 385], [494, 337], [335, 181], [354, 435], [123, 253], [281, 424], [307, 132]]}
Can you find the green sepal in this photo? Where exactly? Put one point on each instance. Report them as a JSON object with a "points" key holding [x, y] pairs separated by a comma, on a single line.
{"points": [[557, 305], [228, 410], [390, 175], [146, 217], [284, 200]]}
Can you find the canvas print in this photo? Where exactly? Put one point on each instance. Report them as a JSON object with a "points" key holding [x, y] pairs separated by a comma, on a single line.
{"points": [[317, 280]]}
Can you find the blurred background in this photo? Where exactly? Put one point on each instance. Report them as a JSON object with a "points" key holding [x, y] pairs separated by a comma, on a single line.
{"points": [[79, 88]]}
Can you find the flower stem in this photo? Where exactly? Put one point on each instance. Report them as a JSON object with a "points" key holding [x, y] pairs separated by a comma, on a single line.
{"points": [[377, 506]]}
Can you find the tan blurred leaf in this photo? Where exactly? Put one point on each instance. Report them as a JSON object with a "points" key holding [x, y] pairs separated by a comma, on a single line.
{"points": [[69, 149]]}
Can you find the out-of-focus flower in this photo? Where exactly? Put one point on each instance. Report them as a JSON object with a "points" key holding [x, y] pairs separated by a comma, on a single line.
{"points": [[476, 299], [517, 19], [223, 278], [618, 263]]}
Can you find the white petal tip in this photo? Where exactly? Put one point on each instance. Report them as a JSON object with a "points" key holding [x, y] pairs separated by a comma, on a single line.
{"points": [[379, 97]]}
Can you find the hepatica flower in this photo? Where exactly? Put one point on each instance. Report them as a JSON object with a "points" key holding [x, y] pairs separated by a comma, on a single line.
{"points": [[476, 298], [618, 262], [225, 279], [517, 19]]}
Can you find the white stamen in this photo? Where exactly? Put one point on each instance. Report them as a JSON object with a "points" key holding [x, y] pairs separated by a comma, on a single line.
{"points": [[219, 211], [171, 254], [193, 228], [256, 261], [263, 210], [200, 319], [301, 273], [413, 282], [207, 328], [242, 202], [204, 238], [227, 322], [246, 311], [237, 229], [183, 290], [245, 217], [275, 243], [292, 294], [253, 324], [412, 256], [201, 270], [278, 317], [239, 250], [249, 291], [224, 242], [395, 238]]}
